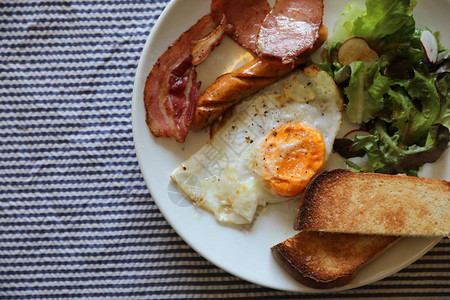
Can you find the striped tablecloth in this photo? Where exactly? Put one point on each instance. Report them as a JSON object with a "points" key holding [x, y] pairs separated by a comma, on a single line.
{"points": [[76, 219]]}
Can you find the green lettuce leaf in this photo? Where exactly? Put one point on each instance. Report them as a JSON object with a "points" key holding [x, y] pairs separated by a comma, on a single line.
{"points": [[386, 155], [401, 98], [403, 43], [365, 92], [443, 88], [343, 27], [400, 159], [403, 112], [424, 108], [382, 18]]}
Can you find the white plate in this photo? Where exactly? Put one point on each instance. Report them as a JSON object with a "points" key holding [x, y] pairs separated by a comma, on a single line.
{"points": [[246, 252]]}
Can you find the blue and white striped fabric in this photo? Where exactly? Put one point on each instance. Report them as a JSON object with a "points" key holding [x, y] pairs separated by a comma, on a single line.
{"points": [[76, 219]]}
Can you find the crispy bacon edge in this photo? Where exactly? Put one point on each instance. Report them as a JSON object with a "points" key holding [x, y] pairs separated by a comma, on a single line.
{"points": [[171, 89]]}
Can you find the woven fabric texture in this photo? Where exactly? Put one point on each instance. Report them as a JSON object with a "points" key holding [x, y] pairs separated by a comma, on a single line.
{"points": [[76, 219]]}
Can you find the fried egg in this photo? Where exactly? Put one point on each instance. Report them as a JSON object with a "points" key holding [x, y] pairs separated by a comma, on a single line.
{"points": [[266, 148]]}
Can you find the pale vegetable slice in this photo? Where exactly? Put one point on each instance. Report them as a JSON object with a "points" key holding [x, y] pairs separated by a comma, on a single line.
{"points": [[430, 45], [355, 49]]}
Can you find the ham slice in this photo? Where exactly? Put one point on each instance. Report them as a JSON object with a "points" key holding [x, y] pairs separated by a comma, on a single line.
{"points": [[244, 19], [171, 89], [290, 28]]}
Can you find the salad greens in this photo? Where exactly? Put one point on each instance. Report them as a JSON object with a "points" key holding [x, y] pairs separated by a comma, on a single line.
{"points": [[402, 100]]}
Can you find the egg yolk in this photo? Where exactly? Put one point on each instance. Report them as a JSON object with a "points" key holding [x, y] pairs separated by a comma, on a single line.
{"points": [[290, 156]]}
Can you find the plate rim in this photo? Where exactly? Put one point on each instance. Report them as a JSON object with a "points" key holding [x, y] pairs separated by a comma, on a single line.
{"points": [[140, 71]]}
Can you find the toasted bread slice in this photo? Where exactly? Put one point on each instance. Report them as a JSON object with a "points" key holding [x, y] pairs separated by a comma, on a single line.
{"points": [[368, 203], [327, 260]]}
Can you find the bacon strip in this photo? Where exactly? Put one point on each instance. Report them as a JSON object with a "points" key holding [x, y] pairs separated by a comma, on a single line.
{"points": [[179, 79], [290, 28], [244, 18], [205, 45], [171, 89]]}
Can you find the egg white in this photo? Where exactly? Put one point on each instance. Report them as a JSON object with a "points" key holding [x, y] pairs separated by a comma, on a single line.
{"points": [[223, 177]]}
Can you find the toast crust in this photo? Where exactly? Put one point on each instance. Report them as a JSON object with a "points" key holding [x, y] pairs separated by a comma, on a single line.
{"points": [[369, 203], [327, 260]]}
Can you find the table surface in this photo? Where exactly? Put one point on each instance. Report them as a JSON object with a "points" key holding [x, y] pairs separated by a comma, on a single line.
{"points": [[76, 219]]}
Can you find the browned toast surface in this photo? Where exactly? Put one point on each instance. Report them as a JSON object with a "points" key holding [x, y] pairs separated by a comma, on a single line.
{"points": [[368, 203], [327, 260]]}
